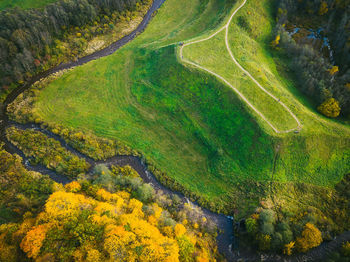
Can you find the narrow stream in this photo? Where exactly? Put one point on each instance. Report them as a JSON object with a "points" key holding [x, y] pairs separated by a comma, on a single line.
{"points": [[225, 238], [224, 224], [316, 35]]}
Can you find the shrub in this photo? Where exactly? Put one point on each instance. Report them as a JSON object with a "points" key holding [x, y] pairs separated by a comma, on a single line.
{"points": [[186, 249], [311, 237], [251, 225], [267, 216], [145, 192], [264, 242], [288, 248], [267, 228], [124, 171], [330, 108], [346, 249]]}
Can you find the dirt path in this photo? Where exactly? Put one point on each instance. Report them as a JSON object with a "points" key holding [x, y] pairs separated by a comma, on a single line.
{"points": [[226, 27], [224, 223]]}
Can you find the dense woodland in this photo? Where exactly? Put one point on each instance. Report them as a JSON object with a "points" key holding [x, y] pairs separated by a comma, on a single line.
{"points": [[111, 217], [21, 191], [31, 40], [326, 82]]}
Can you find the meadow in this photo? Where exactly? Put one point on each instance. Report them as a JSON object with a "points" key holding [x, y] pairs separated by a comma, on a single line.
{"points": [[190, 124], [25, 4]]}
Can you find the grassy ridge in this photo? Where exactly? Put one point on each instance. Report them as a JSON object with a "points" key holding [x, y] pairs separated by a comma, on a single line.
{"points": [[190, 124], [25, 4], [213, 55]]}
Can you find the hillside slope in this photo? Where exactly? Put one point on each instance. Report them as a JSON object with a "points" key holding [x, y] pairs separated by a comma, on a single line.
{"points": [[190, 124]]}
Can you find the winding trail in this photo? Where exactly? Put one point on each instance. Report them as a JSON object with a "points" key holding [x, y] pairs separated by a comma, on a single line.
{"points": [[224, 223], [226, 27]]}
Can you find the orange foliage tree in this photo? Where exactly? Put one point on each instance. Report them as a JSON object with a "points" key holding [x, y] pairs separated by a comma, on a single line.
{"points": [[33, 241], [108, 227]]}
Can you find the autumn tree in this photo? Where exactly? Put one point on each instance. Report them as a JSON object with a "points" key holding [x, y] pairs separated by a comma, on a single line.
{"points": [[33, 241], [276, 41], [310, 237], [323, 8], [333, 70], [288, 248], [330, 108], [108, 227]]}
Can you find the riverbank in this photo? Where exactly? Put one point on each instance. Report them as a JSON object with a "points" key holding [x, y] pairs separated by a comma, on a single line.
{"points": [[147, 176]]}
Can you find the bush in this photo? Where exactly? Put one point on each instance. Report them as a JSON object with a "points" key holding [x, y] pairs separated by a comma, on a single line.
{"points": [[267, 228], [346, 249], [264, 242], [267, 216], [330, 108], [145, 193], [124, 171], [311, 237], [251, 226]]}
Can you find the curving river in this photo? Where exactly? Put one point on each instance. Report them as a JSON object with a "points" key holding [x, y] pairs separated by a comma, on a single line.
{"points": [[225, 224]]}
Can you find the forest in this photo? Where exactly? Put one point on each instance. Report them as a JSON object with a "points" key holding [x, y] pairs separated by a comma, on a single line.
{"points": [[113, 216], [106, 212], [34, 40], [324, 78]]}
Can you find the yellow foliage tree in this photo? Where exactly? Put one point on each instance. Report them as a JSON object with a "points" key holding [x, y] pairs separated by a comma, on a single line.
{"points": [[93, 255], [276, 42], [288, 248], [137, 234], [334, 70], [135, 207], [73, 187], [330, 108], [112, 228], [7, 252], [323, 8], [62, 204], [33, 241], [311, 237], [179, 230]]}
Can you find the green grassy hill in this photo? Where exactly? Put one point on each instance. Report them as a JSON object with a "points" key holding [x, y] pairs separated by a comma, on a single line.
{"points": [[191, 125], [25, 4]]}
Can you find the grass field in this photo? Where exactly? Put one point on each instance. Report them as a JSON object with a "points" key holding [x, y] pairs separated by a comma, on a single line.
{"points": [[190, 124], [25, 4]]}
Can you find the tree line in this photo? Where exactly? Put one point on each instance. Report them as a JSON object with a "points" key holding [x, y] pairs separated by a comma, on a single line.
{"points": [[104, 219], [326, 83], [28, 37]]}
